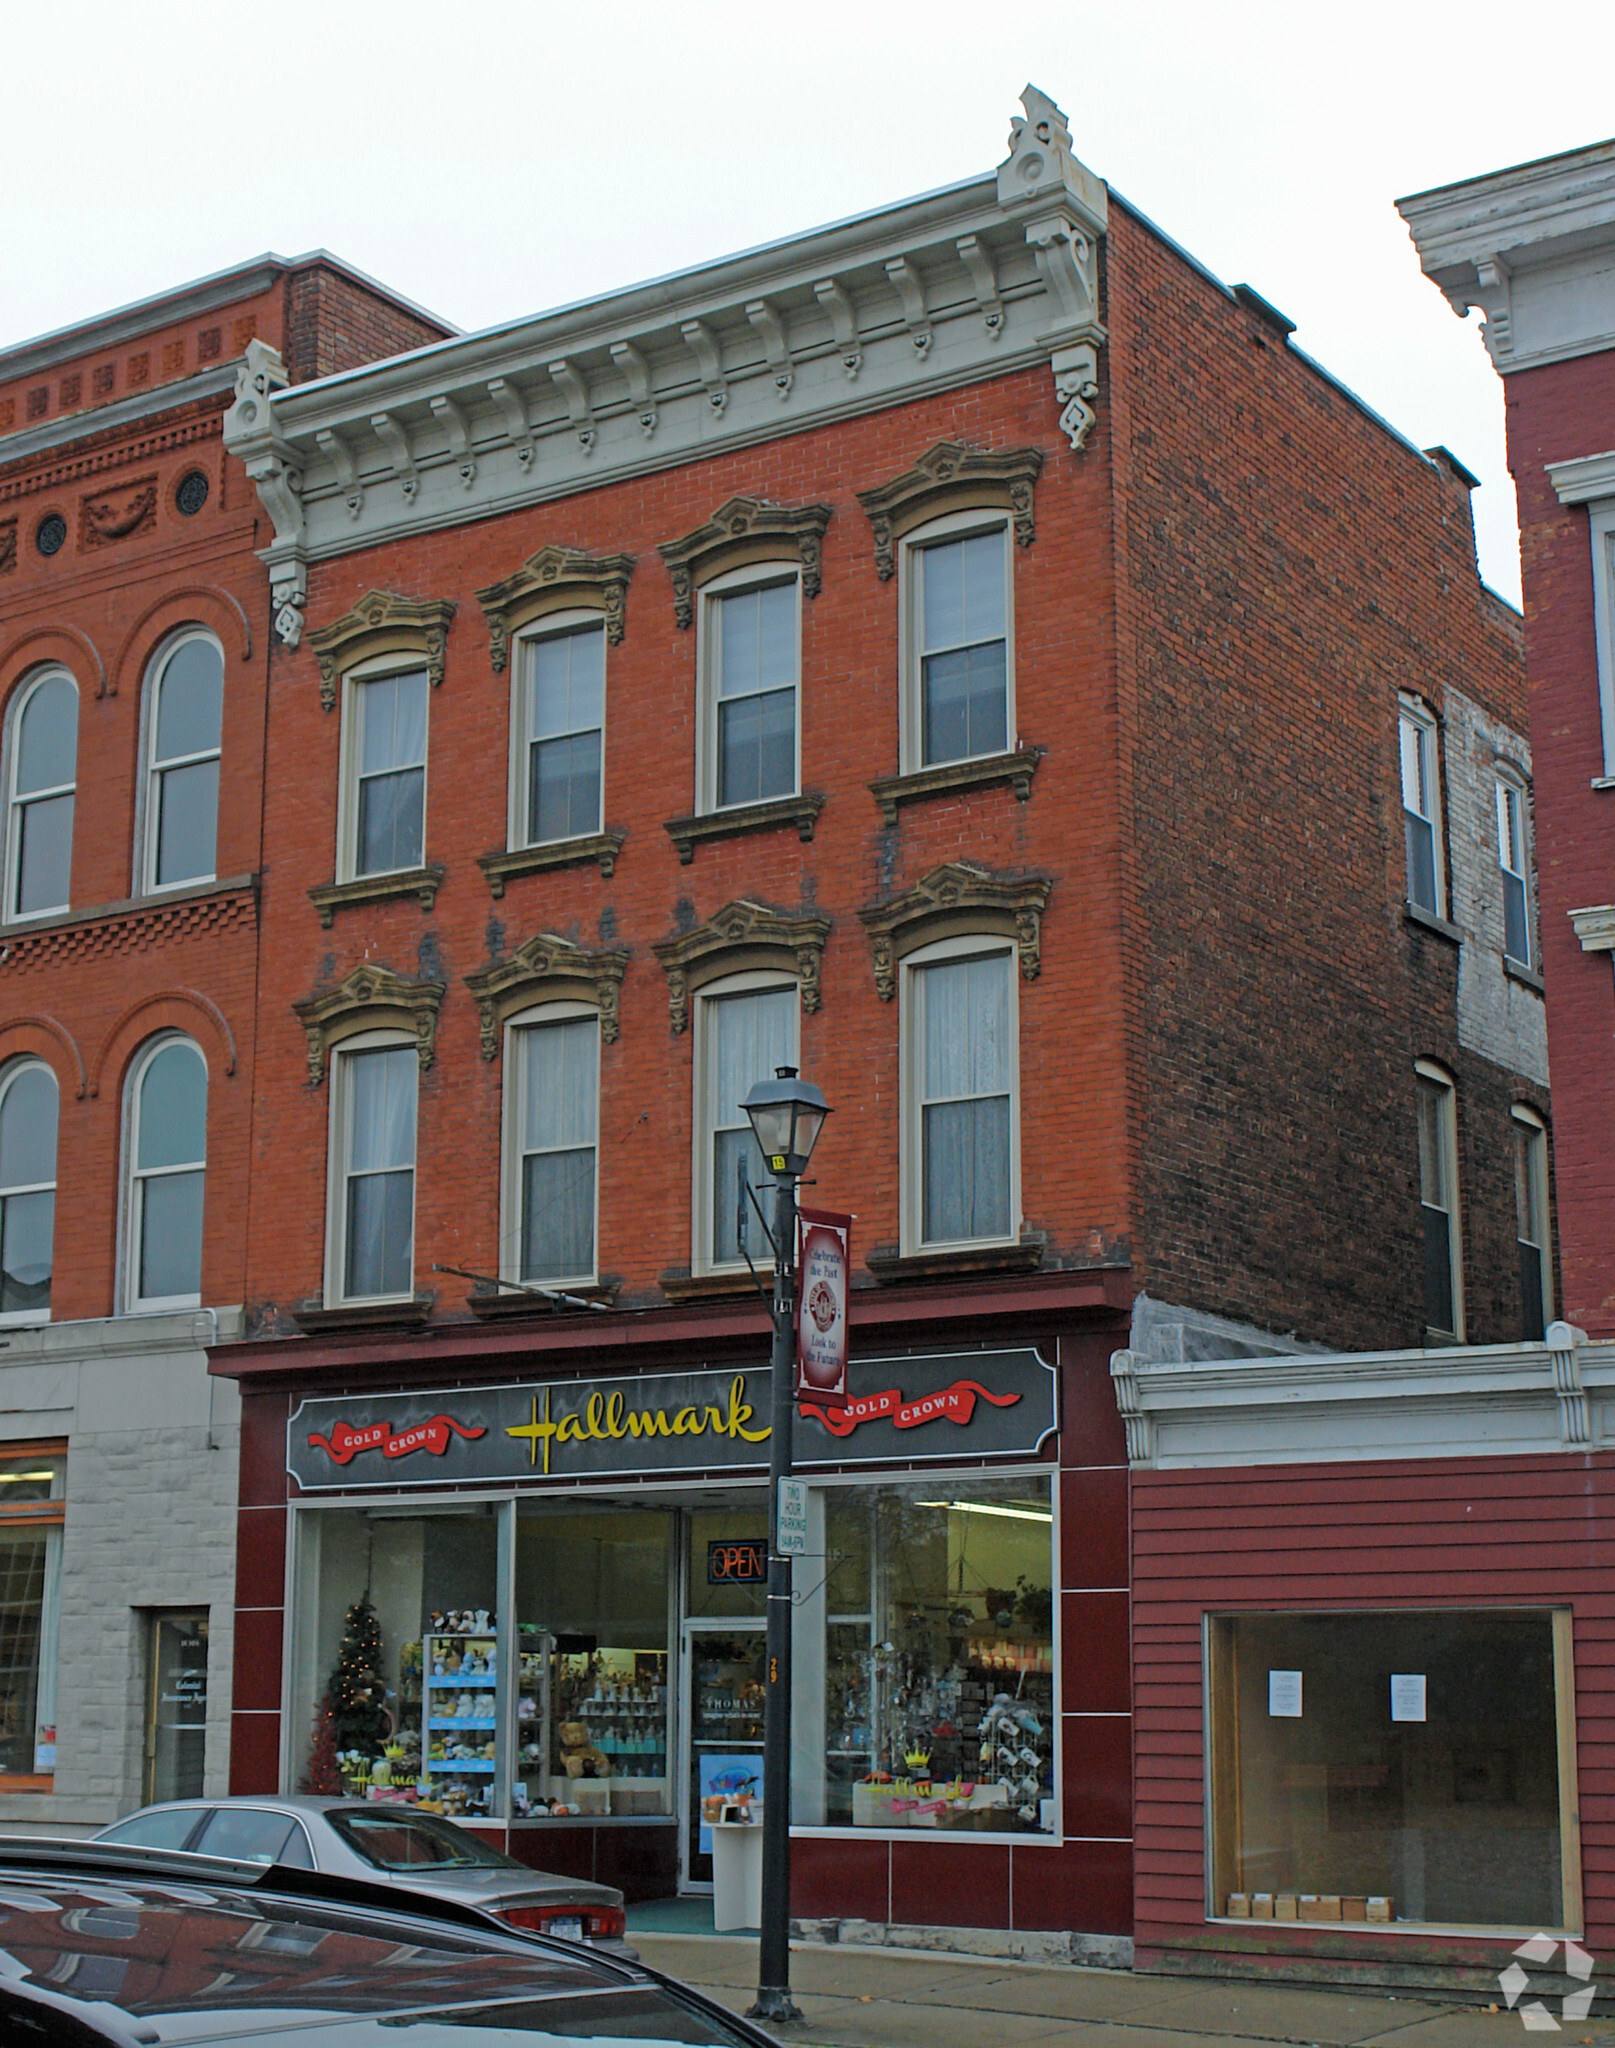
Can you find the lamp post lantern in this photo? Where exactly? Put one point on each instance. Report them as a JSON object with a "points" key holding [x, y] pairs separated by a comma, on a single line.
{"points": [[786, 1116]]}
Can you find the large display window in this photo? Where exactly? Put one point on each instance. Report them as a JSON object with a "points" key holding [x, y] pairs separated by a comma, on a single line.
{"points": [[925, 1659], [32, 1485], [1413, 1768]]}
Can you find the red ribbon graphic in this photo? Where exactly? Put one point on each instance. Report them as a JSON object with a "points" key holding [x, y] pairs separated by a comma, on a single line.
{"points": [[345, 1443], [957, 1403]]}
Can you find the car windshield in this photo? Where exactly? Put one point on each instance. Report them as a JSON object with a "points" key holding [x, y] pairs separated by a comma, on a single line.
{"points": [[394, 1839]]}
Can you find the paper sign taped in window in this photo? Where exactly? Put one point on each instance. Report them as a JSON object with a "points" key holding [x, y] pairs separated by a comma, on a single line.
{"points": [[1408, 1696], [1284, 1695]]}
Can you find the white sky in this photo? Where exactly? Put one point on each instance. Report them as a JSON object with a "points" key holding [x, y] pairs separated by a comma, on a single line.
{"points": [[493, 158]]}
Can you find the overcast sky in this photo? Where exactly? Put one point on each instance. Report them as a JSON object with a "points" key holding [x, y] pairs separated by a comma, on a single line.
{"points": [[493, 158]]}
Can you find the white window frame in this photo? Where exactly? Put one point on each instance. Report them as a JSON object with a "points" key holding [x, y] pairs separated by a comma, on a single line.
{"points": [[1601, 520], [953, 526], [23, 1318], [1514, 794], [754, 576], [148, 807], [911, 1063], [21, 698], [336, 1186], [1523, 1118], [757, 982], [131, 1208], [1437, 1076], [551, 626], [512, 1156], [347, 837], [1413, 713]]}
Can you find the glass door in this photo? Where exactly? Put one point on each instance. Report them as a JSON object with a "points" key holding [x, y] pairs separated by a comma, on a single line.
{"points": [[176, 1707], [723, 1677]]}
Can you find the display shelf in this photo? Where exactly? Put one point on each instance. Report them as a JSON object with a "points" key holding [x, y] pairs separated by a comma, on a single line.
{"points": [[461, 1721]]}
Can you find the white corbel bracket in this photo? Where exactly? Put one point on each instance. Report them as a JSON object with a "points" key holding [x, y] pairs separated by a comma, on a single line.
{"points": [[580, 410], [1076, 385], [458, 431], [770, 331], [843, 320], [906, 283], [288, 593], [340, 456], [1564, 1341], [1140, 1426], [276, 475], [636, 372], [702, 344], [396, 443], [513, 411]]}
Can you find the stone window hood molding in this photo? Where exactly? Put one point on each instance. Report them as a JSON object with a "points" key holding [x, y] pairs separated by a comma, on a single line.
{"points": [[990, 277], [953, 477], [743, 937], [556, 579], [958, 900], [382, 622], [741, 531], [370, 998], [547, 969]]}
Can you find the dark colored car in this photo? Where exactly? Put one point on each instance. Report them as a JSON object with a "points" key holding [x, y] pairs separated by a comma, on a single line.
{"points": [[382, 1843], [107, 1944]]}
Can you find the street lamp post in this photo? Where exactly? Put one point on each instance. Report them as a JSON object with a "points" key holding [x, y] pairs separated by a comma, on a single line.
{"points": [[786, 1115]]}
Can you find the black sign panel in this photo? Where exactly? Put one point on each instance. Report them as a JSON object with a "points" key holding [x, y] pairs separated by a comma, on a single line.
{"points": [[958, 1404], [737, 1564]]}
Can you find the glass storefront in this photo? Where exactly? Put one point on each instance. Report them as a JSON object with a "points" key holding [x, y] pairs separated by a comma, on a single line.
{"points": [[588, 1658], [1410, 1768]]}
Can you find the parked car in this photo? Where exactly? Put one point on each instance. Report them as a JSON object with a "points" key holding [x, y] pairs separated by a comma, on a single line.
{"points": [[384, 1843], [102, 1943]]}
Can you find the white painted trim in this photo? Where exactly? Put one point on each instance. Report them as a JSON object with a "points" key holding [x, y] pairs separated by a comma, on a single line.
{"points": [[1595, 927], [1479, 1400]]}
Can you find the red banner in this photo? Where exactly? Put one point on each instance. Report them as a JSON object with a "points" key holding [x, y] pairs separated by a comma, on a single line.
{"points": [[957, 1403], [823, 1251], [344, 1443]]}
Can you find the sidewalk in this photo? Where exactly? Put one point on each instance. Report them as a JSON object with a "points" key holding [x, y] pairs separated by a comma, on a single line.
{"points": [[893, 1998]]}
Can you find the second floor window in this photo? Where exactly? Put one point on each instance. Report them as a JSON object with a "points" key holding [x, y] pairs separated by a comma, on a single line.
{"points": [[44, 767], [373, 1257], [744, 1035], [960, 599], [1514, 866], [183, 719], [386, 821], [752, 637], [1421, 809], [167, 1175], [28, 1107], [555, 1064], [1531, 1222], [1438, 1203], [561, 716], [961, 1184]]}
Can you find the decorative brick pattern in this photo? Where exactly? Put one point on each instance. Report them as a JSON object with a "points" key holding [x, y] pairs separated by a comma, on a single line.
{"points": [[71, 390], [104, 380], [132, 931], [39, 402], [138, 369]]}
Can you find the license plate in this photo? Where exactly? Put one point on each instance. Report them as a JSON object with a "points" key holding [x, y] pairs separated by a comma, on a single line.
{"points": [[569, 1926]]}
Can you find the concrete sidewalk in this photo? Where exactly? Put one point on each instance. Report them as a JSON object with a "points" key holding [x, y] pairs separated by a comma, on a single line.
{"points": [[894, 1998]]}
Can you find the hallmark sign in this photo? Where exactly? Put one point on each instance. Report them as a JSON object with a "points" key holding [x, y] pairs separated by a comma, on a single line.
{"points": [[959, 1404]]}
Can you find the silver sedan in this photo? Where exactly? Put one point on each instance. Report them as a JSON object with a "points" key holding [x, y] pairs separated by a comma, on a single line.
{"points": [[376, 1840]]}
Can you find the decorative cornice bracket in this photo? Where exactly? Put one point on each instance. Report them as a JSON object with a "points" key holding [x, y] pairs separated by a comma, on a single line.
{"points": [[370, 998], [843, 320], [395, 442], [737, 527], [636, 372], [703, 346], [458, 431], [547, 969], [276, 474], [580, 410], [776, 349], [744, 934], [518, 428]]}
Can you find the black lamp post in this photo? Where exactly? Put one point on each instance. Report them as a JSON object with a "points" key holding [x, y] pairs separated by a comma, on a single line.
{"points": [[786, 1114]]}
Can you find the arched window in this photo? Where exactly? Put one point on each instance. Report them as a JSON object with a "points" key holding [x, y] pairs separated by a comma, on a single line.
{"points": [[184, 713], [167, 1167], [43, 769], [28, 1105]]}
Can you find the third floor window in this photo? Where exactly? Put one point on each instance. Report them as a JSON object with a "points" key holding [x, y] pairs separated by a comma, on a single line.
{"points": [[560, 719], [1421, 809], [751, 659], [43, 770], [184, 715], [384, 823]]}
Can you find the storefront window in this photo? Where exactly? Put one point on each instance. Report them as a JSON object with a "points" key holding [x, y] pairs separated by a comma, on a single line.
{"points": [[1409, 1767], [933, 1635], [32, 1482], [593, 1600]]}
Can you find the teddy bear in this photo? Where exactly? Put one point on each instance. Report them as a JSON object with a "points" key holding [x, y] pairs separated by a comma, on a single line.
{"points": [[578, 1753]]}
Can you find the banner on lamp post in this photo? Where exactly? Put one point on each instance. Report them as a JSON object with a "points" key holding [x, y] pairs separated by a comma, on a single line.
{"points": [[823, 1259]]}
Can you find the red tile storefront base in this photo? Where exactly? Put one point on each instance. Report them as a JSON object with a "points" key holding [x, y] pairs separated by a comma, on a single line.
{"points": [[254, 1751], [834, 1879], [950, 1884], [1084, 1887]]}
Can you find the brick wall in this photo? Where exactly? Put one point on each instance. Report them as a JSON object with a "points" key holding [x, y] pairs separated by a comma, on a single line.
{"points": [[334, 322], [1555, 413], [1284, 566]]}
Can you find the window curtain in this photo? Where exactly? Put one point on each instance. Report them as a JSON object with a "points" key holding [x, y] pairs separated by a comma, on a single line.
{"points": [[965, 1136]]}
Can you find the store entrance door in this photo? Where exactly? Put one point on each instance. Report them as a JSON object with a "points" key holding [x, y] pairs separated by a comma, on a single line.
{"points": [[176, 1707], [722, 1669]]}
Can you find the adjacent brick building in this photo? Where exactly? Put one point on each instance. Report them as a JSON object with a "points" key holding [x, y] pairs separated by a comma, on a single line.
{"points": [[1009, 645], [133, 655]]}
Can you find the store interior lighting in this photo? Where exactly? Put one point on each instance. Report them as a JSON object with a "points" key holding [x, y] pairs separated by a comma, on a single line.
{"points": [[981, 1507]]}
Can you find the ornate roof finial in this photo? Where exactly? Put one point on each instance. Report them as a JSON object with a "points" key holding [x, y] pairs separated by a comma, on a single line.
{"points": [[1040, 161]]}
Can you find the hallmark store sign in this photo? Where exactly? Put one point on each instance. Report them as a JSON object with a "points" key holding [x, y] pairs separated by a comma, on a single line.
{"points": [[959, 1404]]}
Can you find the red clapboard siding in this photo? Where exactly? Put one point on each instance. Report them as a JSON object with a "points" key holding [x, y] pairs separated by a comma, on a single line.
{"points": [[1531, 1530]]}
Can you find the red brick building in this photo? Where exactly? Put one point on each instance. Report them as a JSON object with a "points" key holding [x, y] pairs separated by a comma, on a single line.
{"points": [[969, 653], [133, 655]]}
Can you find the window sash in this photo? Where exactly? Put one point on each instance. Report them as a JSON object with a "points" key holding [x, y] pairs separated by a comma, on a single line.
{"points": [[389, 773], [961, 636], [1438, 1206], [754, 666], [1531, 1227], [42, 828], [746, 1036], [563, 700], [1512, 863], [965, 1097], [1419, 814], [378, 1109], [558, 1097]]}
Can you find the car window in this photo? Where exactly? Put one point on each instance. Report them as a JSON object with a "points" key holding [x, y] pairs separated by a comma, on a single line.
{"points": [[295, 1853], [393, 1839], [165, 1827], [251, 1834]]}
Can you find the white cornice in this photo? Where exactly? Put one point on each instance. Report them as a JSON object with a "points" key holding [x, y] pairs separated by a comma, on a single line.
{"points": [[1587, 478], [1534, 248], [1461, 1401], [1595, 927], [989, 276]]}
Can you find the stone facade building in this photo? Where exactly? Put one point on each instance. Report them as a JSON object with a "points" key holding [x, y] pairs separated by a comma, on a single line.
{"points": [[967, 652], [133, 655]]}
